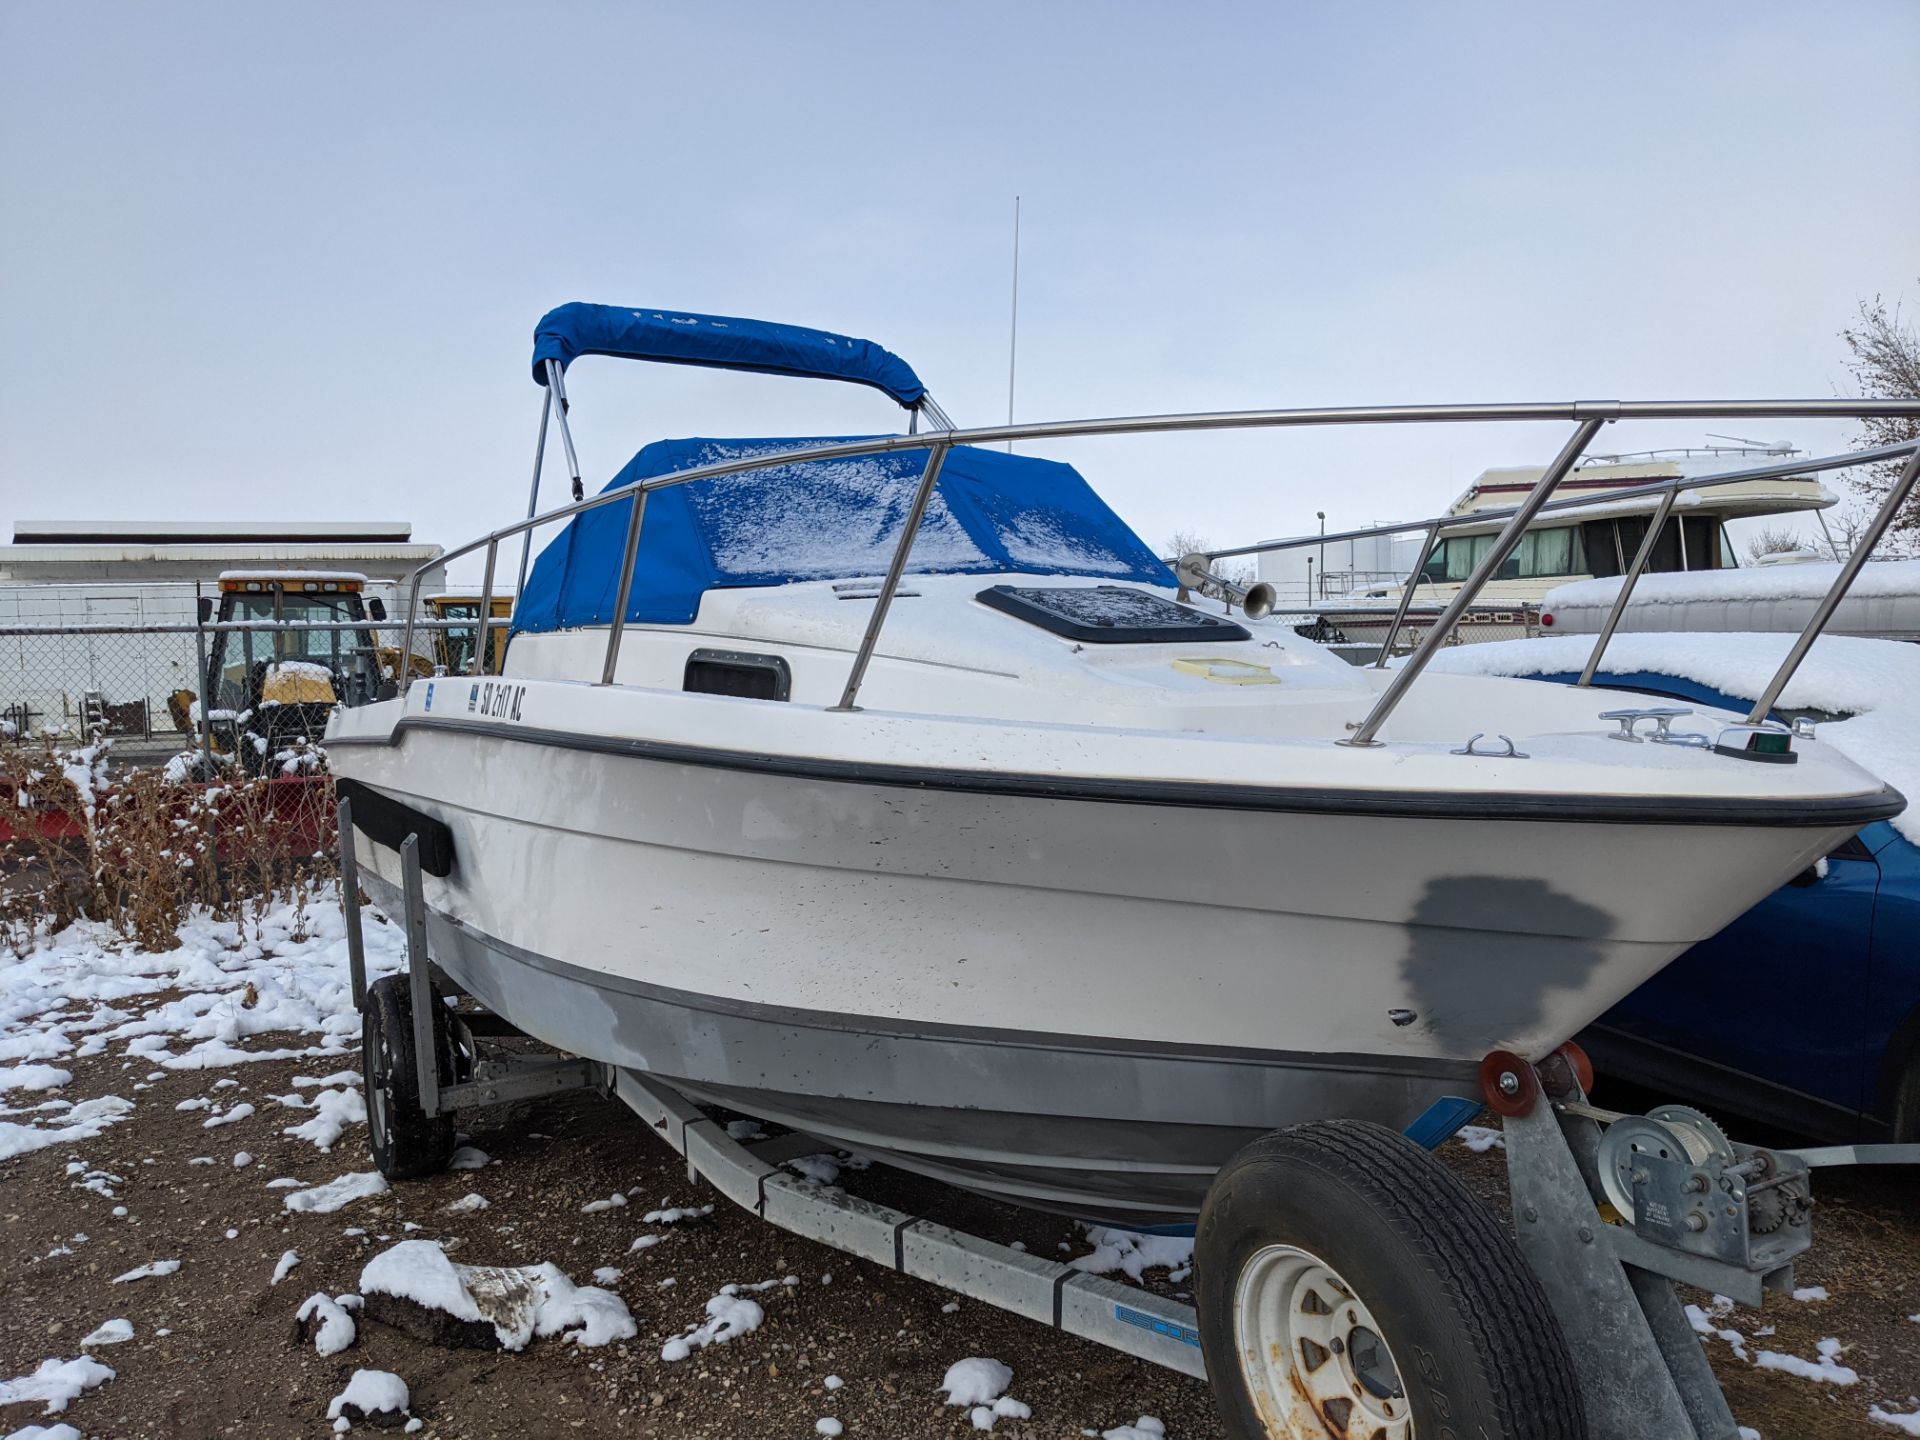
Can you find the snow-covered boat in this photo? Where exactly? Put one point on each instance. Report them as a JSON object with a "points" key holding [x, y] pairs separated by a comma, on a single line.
{"points": [[1619, 499], [1054, 888], [1882, 604]]}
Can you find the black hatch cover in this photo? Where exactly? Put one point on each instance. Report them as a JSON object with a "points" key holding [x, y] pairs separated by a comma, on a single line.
{"points": [[1109, 615]]}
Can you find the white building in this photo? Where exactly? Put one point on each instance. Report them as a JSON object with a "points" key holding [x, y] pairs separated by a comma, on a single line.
{"points": [[66, 573]]}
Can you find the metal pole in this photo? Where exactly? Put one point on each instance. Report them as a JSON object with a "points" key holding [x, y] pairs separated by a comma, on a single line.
{"points": [[206, 700], [1821, 516], [929, 477], [1406, 596], [1013, 326], [558, 385], [486, 612], [1627, 582], [419, 978], [1897, 494], [533, 492], [635, 518], [1503, 546], [405, 677], [350, 906]]}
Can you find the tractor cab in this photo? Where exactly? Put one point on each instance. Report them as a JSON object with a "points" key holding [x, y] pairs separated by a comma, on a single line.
{"points": [[453, 647], [272, 687]]}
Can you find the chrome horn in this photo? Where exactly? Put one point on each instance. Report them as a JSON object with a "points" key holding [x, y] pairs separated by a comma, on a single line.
{"points": [[1194, 572]]}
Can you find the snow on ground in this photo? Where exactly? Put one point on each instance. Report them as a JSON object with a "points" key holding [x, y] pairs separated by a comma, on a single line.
{"points": [[1873, 682], [84, 991], [1480, 1139], [976, 1381], [57, 1383], [1908, 1421], [467, 1204], [284, 1267], [34, 1077], [332, 1327], [333, 1111], [147, 1271], [677, 1214], [369, 1393], [1146, 1427], [1135, 1254], [468, 1158], [111, 1332], [74, 1124], [729, 1316], [341, 1191], [1826, 1369], [519, 1302]]}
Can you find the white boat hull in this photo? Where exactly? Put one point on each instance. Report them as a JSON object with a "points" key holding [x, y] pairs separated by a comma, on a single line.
{"points": [[1080, 1003]]}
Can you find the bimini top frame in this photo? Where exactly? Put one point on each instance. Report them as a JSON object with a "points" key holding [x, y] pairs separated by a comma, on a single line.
{"points": [[1587, 416]]}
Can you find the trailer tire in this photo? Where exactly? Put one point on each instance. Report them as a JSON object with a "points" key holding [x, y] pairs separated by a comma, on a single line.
{"points": [[1433, 1322], [407, 1143]]}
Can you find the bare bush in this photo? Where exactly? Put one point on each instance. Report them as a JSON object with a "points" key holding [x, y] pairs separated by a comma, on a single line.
{"points": [[1773, 540], [138, 849]]}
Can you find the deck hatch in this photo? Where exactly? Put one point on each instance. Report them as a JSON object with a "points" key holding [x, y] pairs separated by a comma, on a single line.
{"points": [[1108, 614]]}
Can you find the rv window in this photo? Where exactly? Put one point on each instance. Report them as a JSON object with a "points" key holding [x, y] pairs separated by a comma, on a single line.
{"points": [[741, 674]]}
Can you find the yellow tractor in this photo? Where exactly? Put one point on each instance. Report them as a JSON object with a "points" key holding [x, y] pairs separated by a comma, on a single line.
{"points": [[453, 647], [272, 687]]}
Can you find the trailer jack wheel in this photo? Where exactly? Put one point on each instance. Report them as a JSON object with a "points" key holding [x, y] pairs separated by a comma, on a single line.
{"points": [[1347, 1283], [407, 1142]]}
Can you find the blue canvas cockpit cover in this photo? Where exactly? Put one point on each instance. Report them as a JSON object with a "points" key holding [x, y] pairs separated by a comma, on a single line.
{"points": [[722, 342], [823, 520]]}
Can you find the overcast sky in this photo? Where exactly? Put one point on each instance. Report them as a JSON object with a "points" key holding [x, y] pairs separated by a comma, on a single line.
{"points": [[279, 262]]}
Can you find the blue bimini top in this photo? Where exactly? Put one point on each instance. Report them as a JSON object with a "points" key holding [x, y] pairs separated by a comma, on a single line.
{"points": [[679, 337], [991, 512]]}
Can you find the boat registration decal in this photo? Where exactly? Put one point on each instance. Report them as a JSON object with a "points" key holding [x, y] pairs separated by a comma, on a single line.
{"points": [[1185, 1334], [496, 700]]}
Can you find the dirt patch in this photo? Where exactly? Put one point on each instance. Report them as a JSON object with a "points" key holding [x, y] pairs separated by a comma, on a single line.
{"points": [[230, 1364]]}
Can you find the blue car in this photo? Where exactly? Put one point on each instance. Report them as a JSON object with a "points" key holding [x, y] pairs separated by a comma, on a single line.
{"points": [[1804, 1013]]}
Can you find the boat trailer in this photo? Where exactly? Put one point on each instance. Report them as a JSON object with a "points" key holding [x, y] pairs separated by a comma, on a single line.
{"points": [[1610, 1211]]}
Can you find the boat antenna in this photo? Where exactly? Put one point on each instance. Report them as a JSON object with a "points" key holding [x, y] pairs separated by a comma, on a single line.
{"points": [[1013, 328]]}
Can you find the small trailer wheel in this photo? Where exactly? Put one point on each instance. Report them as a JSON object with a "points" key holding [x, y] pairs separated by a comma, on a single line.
{"points": [[1346, 1281], [406, 1142]]}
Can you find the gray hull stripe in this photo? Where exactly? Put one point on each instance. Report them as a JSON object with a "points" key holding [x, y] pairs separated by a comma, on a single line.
{"points": [[1820, 812], [1463, 1070]]}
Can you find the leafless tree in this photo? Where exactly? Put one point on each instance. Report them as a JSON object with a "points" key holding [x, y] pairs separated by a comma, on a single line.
{"points": [[1885, 365], [1773, 540]]}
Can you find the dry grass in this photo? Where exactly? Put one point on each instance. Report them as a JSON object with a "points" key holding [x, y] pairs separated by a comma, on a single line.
{"points": [[137, 850]]}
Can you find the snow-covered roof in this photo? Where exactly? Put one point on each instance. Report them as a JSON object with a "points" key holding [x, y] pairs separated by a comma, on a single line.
{"points": [[302, 576], [1875, 683]]}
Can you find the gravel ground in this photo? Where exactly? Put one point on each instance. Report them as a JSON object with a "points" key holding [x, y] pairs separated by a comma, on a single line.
{"points": [[231, 1365]]}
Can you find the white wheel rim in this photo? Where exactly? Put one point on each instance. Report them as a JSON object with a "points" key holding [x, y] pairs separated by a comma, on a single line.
{"points": [[1304, 1336]]}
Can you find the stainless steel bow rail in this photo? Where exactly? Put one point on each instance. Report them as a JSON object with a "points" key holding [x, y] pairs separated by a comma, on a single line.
{"points": [[1588, 417]]}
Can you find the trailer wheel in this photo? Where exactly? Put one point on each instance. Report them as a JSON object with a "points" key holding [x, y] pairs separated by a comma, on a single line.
{"points": [[406, 1142], [1347, 1282]]}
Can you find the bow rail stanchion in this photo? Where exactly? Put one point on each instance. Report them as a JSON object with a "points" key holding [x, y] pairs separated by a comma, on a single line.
{"points": [[1897, 495], [1503, 546], [629, 554], [479, 662], [1406, 595], [896, 567], [1627, 582]]}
